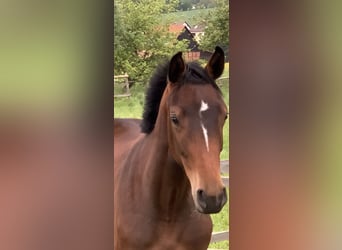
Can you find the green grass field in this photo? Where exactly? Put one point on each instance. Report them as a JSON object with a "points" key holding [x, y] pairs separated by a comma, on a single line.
{"points": [[132, 107], [192, 17]]}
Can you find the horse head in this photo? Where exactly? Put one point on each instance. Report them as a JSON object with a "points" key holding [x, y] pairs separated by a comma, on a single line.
{"points": [[196, 115]]}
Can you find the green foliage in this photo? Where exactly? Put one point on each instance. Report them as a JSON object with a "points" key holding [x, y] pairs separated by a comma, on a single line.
{"points": [[205, 4], [140, 39], [185, 5], [170, 6], [217, 30]]}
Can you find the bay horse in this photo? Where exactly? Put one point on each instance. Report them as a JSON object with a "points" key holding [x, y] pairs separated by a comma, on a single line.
{"points": [[167, 165]]}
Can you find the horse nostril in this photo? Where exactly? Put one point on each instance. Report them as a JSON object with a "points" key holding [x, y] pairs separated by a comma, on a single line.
{"points": [[223, 197], [200, 194], [201, 198]]}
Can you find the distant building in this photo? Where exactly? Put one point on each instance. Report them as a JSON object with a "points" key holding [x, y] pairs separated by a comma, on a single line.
{"points": [[184, 31], [197, 31]]}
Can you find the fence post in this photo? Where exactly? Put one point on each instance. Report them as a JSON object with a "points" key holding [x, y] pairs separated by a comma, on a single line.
{"points": [[126, 86]]}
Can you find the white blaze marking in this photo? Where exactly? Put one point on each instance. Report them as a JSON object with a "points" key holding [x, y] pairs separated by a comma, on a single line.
{"points": [[205, 133], [204, 107]]}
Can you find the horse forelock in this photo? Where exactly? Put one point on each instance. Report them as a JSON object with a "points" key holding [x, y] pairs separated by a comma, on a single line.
{"points": [[194, 74]]}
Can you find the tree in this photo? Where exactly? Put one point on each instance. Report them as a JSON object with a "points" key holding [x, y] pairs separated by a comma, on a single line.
{"points": [[217, 31], [185, 5], [206, 3], [140, 39]]}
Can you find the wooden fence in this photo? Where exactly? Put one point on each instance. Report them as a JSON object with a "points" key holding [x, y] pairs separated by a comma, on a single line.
{"points": [[122, 82], [222, 80], [224, 235]]}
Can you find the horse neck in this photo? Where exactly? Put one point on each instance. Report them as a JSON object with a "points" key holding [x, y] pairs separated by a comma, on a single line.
{"points": [[165, 181]]}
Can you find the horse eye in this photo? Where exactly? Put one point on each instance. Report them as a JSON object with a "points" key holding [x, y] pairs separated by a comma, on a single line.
{"points": [[226, 116], [174, 120]]}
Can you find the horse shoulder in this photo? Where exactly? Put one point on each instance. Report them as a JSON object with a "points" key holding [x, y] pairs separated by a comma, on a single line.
{"points": [[126, 128], [126, 134]]}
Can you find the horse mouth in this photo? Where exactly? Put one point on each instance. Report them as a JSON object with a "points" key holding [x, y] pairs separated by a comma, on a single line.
{"points": [[209, 210]]}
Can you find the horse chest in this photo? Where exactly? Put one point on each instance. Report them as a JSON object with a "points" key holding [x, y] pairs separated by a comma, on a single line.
{"points": [[191, 234]]}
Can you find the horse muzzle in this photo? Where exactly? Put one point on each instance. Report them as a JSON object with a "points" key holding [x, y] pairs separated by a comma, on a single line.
{"points": [[210, 204]]}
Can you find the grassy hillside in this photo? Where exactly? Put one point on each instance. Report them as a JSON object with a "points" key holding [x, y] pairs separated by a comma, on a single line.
{"points": [[192, 16]]}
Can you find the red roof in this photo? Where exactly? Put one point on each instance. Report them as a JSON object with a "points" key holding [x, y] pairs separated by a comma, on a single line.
{"points": [[176, 27]]}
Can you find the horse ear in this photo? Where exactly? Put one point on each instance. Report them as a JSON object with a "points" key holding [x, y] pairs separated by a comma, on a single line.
{"points": [[176, 68], [215, 65]]}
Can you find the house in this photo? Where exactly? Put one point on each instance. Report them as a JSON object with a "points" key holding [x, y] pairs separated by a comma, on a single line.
{"points": [[183, 32], [197, 31], [178, 27]]}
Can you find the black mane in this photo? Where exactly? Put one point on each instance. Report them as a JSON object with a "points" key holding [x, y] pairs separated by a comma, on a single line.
{"points": [[194, 74]]}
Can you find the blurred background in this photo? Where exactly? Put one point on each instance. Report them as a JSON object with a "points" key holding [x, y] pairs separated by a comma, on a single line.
{"points": [[56, 148], [56, 110]]}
